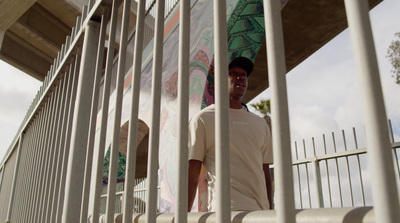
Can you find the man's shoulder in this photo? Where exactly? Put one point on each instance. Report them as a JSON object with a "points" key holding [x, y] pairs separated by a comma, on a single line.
{"points": [[205, 112]]}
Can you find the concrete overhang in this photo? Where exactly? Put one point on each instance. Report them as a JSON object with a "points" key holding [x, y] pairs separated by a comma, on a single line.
{"points": [[32, 32]]}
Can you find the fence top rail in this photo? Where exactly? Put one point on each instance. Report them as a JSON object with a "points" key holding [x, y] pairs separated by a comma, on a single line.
{"points": [[338, 155]]}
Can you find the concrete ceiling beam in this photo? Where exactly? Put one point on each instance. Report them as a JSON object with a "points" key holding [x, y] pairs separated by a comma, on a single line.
{"points": [[11, 11]]}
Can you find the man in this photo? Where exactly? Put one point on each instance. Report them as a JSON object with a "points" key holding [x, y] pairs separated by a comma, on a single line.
{"points": [[250, 148]]}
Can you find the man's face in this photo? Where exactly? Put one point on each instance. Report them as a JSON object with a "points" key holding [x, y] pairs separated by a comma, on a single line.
{"points": [[237, 81]]}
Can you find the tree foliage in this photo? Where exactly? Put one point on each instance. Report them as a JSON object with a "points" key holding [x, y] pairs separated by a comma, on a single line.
{"points": [[393, 53], [263, 106]]}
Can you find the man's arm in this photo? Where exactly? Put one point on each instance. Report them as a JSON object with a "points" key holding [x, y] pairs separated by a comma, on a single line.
{"points": [[194, 173], [268, 182]]}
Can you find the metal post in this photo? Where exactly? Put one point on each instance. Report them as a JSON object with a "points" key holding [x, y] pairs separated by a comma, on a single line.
{"points": [[133, 121], [14, 182], [93, 120], [32, 187], [80, 127], [280, 112], [318, 184], [74, 71], [60, 145], [47, 151], [20, 200], [2, 168], [152, 174], [55, 146], [222, 147], [181, 194], [298, 176], [42, 150], [53, 138], [384, 190], [99, 155], [114, 153]]}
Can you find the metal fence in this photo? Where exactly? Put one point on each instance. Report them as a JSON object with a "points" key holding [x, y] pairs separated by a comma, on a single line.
{"points": [[54, 171], [334, 172], [326, 174]]}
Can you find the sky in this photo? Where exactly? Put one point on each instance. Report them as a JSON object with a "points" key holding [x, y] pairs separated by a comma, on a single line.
{"points": [[324, 95], [323, 91], [17, 90]]}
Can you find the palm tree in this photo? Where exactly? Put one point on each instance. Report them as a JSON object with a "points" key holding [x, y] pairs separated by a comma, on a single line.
{"points": [[264, 107]]}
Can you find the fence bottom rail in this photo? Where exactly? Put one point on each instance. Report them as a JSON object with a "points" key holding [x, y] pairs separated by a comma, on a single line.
{"points": [[332, 215]]}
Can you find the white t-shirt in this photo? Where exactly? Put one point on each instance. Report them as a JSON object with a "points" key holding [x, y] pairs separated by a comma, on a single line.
{"points": [[250, 148]]}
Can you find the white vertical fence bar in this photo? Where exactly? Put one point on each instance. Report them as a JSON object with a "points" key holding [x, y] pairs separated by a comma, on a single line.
{"points": [[14, 182], [74, 71], [19, 202], [384, 190], [80, 127], [317, 179], [280, 112], [36, 159], [24, 177], [317, 184], [48, 153], [130, 169], [55, 147], [348, 169], [60, 145], [55, 141], [2, 169], [39, 181], [154, 140], [93, 119], [99, 155], [114, 153], [46, 160], [181, 192], [19, 182], [337, 171], [222, 153], [51, 145]]}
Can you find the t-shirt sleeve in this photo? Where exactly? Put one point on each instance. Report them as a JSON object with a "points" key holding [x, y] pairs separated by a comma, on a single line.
{"points": [[197, 142], [268, 157]]}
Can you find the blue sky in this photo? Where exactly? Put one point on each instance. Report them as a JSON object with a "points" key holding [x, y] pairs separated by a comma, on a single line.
{"points": [[323, 91]]}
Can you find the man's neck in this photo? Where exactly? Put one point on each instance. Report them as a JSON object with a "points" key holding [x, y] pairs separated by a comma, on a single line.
{"points": [[235, 103]]}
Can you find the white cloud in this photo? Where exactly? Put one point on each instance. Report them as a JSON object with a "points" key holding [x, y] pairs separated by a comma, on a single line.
{"points": [[17, 90], [307, 122]]}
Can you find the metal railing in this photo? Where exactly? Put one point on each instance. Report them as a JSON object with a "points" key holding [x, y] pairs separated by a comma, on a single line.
{"points": [[53, 171], [338, 178], [325, 179]]}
